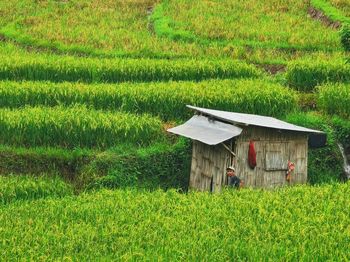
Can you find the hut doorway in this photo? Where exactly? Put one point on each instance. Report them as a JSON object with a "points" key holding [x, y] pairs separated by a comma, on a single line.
{"points": [[209, 163]]}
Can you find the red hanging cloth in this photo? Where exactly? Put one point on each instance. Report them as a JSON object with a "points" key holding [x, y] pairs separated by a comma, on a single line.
{"points": [[252, 155]]}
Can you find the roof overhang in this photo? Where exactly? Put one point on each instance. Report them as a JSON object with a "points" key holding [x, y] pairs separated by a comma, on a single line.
{"points": [[206, 130], [250, 119]]}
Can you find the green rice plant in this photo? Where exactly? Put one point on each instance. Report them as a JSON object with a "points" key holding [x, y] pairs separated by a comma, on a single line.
{"points": [[342, 5], [76, 126], [277, 24], [68, 68], [305, 74], [345, 37], [148, 28], [160, 165], [20, 187], [51, 161], [334, 99], [342, 130], [167, 100], [331, 9], [107, 28], [295, 223]]}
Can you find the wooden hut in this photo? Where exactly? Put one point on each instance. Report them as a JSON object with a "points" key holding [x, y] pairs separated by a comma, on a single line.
{"points": [[222, 139]]}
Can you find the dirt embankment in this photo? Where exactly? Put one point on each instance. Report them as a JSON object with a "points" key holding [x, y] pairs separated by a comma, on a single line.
{"points": [[272, 69], [319, 15]]}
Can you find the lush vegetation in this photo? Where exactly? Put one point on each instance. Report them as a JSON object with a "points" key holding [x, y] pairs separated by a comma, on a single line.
{"points": [[69, 68], [336, 10], [342, 5], [123, 27], [88, 88], [299, 223], [285, 26], [166, 99], [305, 74], [14, 188], [75, 127], [335, 99]]}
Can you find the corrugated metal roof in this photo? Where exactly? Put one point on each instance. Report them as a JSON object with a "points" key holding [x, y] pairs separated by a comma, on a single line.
{"points": [[208, 131], [249, 119]]}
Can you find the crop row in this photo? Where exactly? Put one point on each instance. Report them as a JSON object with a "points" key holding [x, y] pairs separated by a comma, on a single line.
{"points": [[161, 164], [76, 126], [68, 68], [300, 223], [277, 24], [334, 99], [331, 11], [13, 188], [92, 28], [305, 74], [167, 100]]}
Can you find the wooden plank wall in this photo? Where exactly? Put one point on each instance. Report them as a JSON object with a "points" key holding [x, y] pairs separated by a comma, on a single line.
{"points": [[291, 145], [208, 168]]}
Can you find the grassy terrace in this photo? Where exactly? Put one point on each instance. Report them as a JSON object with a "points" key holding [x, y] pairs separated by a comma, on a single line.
{"points": [[277, 23], [123, 27], [31, 187], [167, 100], [342, 5], [300, 223], [150, 28], [75, 126], [87, 90]]}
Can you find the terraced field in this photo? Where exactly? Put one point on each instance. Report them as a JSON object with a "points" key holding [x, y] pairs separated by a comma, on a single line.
{"points": [[88, 89], [342, 5], [302, 223]]}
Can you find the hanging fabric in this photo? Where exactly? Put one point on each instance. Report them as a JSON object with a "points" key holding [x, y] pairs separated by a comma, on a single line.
{"points": [[251, 155], [291, 167]]}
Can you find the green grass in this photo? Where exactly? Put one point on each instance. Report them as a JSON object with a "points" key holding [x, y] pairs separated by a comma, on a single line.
{"points": [[159, 165], [26, 187], [49, 160], [151, 29], [166, 99], [334, 99], [280, 24], [75, 126], [299, 223], [21, 65], [123, 28], [305, 74], [343, 6], [336, 10]]}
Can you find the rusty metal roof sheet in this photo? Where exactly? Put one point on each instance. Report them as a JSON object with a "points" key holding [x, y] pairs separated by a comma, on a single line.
{"points": [[249, 119], [208, 131]]}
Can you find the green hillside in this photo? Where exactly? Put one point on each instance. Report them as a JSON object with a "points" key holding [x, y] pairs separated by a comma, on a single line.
{"points": [[88, 89]]}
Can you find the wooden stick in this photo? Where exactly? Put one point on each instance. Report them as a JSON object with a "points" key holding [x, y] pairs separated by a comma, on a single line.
{"points": [[227, 148]]}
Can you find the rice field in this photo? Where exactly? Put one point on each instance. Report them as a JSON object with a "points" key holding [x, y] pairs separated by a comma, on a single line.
{"points": [[342, 5], [75, 126], [123, 27], [21, 65], [287, 24], [151, 29], [88, 89], [30, 187], [300, 223], [167, 100], [335, 99]]}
